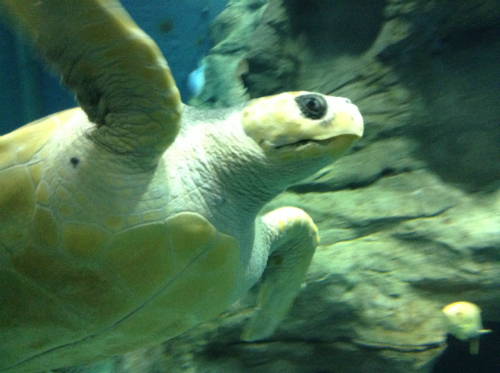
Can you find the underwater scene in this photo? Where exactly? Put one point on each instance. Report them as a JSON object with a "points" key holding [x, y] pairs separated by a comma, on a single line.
{"points": [[250, 186]]}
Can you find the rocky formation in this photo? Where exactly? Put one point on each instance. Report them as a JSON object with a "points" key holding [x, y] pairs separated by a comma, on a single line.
{"points": [[409, 220]]}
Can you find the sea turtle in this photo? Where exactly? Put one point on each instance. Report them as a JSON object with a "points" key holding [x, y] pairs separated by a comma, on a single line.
{"points": [[122, 225], [463, 321]]}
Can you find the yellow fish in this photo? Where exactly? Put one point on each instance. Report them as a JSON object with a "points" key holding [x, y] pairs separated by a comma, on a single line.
{"points": [[464, 322]]}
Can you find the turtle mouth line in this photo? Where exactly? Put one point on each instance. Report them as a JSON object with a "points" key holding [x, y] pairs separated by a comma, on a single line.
{"points": [[297, 144], [325, 142]]}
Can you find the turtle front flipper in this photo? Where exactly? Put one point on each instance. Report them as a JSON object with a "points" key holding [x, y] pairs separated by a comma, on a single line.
{"points": [[293, 238], [119, 75]]}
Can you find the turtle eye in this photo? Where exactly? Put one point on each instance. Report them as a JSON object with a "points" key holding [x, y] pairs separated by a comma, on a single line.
{"points": [[313, 106]]}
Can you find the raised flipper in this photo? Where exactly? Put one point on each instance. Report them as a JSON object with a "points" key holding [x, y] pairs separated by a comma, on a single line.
{"points": [[121, 79], [293, 237]]}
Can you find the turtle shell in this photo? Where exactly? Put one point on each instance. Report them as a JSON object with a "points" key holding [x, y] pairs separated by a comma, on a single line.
{"points": [[73, 292]]}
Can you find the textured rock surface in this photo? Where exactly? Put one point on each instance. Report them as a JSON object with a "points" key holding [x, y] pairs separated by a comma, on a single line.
{"points": [[409, 220], [392, 255], [422, 71]]}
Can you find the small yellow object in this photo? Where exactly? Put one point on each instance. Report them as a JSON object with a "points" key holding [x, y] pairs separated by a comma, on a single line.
{"points": [[464, 322]]}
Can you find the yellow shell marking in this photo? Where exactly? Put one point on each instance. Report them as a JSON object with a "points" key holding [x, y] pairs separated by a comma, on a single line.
{"points": [[82, 241], [45, 229], [104, 295], [18, 178], [17, 194]]}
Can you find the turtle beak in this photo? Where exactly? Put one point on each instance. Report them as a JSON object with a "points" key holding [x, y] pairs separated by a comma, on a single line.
{"points": [[339, 145]]}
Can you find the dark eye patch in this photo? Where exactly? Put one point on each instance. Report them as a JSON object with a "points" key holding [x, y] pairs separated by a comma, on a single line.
{"points": [[312, 105]]}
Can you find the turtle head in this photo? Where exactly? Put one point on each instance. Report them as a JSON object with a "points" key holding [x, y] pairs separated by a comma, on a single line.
{"points": [[302, 126]]}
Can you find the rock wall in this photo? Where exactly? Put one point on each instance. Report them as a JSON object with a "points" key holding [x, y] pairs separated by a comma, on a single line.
{"points": [[409, 220]]}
